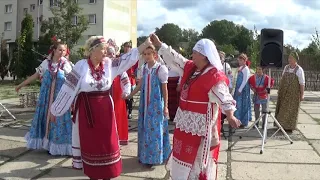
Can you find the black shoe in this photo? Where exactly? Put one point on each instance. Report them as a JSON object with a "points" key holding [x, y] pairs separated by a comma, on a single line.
{"points": [[129, 116]]}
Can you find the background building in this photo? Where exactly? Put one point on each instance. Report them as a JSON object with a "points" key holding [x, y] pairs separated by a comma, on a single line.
{"points": [[115, 19]]}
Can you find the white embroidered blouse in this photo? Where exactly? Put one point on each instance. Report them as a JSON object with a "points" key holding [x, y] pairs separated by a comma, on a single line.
{"points": [[125, 84], [176, 62], [41, 69], [81, 80]]}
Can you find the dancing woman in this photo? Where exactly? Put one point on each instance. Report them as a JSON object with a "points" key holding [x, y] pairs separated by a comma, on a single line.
{"points": [[48, 132], [196, 139], [95, 140]]}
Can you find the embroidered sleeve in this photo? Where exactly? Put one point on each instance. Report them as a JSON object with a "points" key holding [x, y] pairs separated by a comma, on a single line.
{"points": [[67, 68], [68, 91], [125, 62], [42, 67], [301, 77], [220, 93], [172, 59], [125, 83], [163, 74], [246, 75]]}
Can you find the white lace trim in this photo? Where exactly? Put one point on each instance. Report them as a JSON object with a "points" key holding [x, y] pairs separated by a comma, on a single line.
{"points": [[191, 122]]}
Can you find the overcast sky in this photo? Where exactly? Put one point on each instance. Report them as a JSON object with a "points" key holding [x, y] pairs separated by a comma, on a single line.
{"points": [[298, 18]]}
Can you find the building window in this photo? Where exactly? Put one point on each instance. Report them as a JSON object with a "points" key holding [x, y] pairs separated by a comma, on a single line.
{"points": [[92, 19], [9, 8], [54, 3], [32, 7], [40, 2], [75, 20], [25, 11], [8, 26], [92, 1]]}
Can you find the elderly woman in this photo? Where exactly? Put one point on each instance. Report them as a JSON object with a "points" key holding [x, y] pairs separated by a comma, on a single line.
{"points": [[204, 90], [94, 135], [290, 93]]}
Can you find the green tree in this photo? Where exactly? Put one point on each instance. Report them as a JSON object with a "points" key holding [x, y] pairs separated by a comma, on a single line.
{"points": [[254, 49], [170, 33], [189, 35], [4, 63], [243, 39], [222, 31], [27, 62], [68, 23]]}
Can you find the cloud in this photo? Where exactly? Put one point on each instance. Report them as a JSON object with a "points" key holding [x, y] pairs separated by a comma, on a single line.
{"points": [[298, 19]]}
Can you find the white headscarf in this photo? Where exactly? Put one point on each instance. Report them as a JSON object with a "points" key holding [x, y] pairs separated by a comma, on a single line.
{"points": [[207, 48]]}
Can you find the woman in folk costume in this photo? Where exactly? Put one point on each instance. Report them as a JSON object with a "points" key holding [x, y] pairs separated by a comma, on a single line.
{"points": [[127, 46], [204, 90], [242, 92], [94, 132], [153, 133], [121, 87], [49, 132], [259, 83], [290, 93]]}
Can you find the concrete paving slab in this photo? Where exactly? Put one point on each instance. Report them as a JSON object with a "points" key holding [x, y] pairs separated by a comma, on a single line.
{"points": [[132, 168], [13, 134], [306, 119], [64, 174], [281, 155], [28, 166], [247, 142], [3, 159], [130, 150], [222, 172], [272, 171], [310, 131], [315, 116], [11, 148], [312, 111]]}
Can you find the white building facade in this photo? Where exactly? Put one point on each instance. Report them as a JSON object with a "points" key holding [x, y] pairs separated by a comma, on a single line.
{"points": [[114, 19]]}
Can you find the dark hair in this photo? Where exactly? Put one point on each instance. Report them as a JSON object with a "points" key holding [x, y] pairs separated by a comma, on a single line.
{"points": [[128, 44]]}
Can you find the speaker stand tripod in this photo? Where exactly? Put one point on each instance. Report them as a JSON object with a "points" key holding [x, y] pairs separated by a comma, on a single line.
{"points": [[5, 109], [267, 114]]}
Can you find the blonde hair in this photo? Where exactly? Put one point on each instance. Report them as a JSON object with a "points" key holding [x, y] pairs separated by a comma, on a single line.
{"points": [[243, 57], [88, 45]]}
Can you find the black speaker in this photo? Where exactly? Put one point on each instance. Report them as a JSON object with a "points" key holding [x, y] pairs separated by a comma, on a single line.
{"points": [[271, 48]]}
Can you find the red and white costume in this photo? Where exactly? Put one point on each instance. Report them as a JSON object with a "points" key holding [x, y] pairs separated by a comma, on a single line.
{"points": [[95, 139], [121, 86], [196, 139]]}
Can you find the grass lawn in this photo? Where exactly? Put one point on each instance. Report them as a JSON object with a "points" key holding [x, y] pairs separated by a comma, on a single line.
{"points": [[7, 89]]}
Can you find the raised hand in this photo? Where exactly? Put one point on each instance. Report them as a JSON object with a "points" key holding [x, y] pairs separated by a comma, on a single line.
{"points": [[155, 39]]}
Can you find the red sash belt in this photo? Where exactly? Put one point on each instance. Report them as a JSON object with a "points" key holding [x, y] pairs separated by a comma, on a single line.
{"points": [[84, 96]]}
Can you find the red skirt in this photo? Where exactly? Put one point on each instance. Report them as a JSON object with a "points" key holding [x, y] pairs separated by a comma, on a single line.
{"points": [[120, 110], [99, 142], [173, 96]]}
